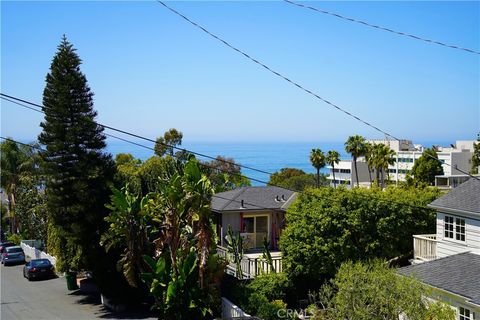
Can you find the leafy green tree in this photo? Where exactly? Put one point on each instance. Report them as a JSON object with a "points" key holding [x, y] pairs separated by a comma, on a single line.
{"points": [[356, 146], [295, 179], [317, 159], [127, 172], [427, 167], [333, 158], [327, 227], [77, 170], [166, 144], [476, 156], [31, 209], [128, 230], [182, 279], [13, 160], [224, 174], [373, 291]]}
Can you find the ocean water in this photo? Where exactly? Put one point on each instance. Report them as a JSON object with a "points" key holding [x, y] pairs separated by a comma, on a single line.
{"points": [[269, 157]]}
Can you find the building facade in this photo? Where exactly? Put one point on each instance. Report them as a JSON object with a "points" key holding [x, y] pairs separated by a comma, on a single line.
{"points": [[449, 260], [455, 159]]}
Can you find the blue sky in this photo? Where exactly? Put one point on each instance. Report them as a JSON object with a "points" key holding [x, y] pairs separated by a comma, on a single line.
{"points": [[151, 71]]}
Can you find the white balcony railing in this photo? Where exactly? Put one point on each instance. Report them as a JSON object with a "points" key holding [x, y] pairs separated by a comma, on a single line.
{"points": [[251, 266], [425, 247]]}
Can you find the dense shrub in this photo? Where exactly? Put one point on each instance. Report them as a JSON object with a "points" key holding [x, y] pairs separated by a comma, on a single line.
{"points": [[273, 286], [327, 226], [15, 238]]}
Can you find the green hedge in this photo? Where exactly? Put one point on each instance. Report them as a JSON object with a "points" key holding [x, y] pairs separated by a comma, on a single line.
{"points": [[335, 225]]}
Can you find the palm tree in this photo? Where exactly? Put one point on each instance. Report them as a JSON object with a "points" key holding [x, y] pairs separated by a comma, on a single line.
{"points": [[333, 158], [317, 158], [381, 156], [356, 146], [15, 161]]}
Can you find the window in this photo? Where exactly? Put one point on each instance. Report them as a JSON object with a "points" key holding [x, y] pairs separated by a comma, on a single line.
{"points": [[454, 228], [448, 227], [460, 229], [465, 314], [392, 170]]}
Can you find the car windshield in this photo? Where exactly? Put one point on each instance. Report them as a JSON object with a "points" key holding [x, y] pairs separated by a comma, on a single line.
{"points": [[40, 263], [14, 250]]}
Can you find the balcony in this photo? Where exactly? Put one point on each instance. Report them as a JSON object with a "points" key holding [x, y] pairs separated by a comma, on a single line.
{"points": [[425, 247], [252, 263]]}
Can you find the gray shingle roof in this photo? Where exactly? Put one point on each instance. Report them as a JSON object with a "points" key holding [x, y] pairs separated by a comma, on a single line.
{"points": [[458, 274], [465, 197], [254, 198]]}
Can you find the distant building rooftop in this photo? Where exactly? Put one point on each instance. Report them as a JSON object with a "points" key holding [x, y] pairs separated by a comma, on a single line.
{"points": [[464, 198]]}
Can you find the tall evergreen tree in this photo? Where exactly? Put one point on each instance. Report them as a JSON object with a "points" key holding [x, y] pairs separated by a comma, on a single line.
{"points": [[78, 172]]}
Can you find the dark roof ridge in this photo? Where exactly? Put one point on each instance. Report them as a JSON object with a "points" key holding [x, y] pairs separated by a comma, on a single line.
{"points": [[234, 198]]}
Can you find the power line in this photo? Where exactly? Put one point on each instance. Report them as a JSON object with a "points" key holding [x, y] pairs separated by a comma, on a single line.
{"points": [[24, 102], [278, 74], [28, 104], [400, 33], [201, 163], [264, 182], [291, 81], [213, 196]]}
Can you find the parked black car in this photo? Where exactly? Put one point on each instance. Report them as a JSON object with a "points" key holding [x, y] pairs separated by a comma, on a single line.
{"points": [[38, 268]]}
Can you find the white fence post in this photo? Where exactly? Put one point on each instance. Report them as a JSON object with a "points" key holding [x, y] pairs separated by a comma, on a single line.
{"points": [[231, 311]]}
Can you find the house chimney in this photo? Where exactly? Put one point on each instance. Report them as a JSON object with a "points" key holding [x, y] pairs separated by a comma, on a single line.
{"points": [[277, 199], [283, 198], [241, 205]]}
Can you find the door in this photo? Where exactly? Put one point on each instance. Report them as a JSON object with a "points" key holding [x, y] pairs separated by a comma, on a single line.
{"points": [[255, 228]]}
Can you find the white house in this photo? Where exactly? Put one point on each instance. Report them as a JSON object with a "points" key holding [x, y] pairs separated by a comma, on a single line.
{"points": [[455, 159], [449, 260]]}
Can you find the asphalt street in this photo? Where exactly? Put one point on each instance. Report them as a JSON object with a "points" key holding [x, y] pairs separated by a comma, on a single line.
{"points": [[49, 299]]}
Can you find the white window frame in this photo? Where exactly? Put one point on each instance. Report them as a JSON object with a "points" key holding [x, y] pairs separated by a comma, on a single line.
{"points": [[455, 227], [471, 313]]}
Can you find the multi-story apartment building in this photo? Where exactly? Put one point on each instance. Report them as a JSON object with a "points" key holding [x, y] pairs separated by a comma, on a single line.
{"points": [[455, 159]]}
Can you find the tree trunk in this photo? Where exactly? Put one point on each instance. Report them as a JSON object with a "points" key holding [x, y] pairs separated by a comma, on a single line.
{"points": [[318, 177], [370, 175], [334, 181]]}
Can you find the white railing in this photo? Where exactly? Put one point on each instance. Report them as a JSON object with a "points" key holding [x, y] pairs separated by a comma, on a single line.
{"points": [[251, 267], [231, 311], [34, 253], [425, 247]]}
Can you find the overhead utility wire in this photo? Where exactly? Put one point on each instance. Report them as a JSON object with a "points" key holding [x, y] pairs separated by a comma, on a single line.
{"points": [[242, 175], [264, 182], [201, 163], [400, 33], [278, 74], [293, 82], [213, 196], [24, 103]]}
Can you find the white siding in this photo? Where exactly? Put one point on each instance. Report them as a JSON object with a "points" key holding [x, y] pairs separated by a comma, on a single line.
{"points": [[446, 247]]}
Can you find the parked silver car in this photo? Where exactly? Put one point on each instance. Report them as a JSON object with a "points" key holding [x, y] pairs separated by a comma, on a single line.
{"points": [[13, 255]]}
